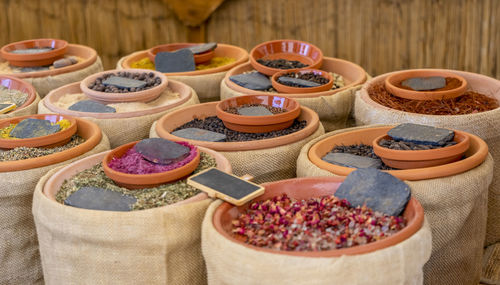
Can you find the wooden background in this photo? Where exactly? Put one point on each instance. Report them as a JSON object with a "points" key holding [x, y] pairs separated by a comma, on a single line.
{"points": [[380, 35]]}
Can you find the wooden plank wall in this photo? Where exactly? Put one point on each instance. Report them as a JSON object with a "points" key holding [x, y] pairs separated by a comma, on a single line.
{"points": [[380, 35]]}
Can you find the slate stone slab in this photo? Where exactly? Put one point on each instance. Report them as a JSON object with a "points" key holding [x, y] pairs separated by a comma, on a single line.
{"points": [[124, 82], [32, 128], [297, 81], [379, 190], [94, 198], [425, 83], [199, 135], [197, 49], [254, 111], [253, 80], [177, 61], [63, 62], [421, 134], [32, 50], [161, 151], [352, 160], [90, 106]]}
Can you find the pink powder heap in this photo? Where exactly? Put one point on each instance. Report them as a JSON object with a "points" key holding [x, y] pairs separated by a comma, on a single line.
{"points": [[133, 162]]}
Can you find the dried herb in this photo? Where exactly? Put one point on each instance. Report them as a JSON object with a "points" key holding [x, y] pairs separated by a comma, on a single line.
{"points": [[20, 153]]}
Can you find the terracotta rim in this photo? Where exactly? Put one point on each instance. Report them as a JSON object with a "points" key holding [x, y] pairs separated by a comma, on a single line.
{"points": [[222, 50], [198, 58], [167, 123], [86, 129], [12, 82], [138, 181], [414, 213], [282, 88], [88, 54], [276, 51], [329, 63], [52, 140], [138, 96], [475, 155], [399, 76], [37, 59], [184, 91]]}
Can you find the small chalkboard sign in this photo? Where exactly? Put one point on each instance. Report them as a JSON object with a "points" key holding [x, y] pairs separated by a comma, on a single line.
{"points": [[228, 187]]}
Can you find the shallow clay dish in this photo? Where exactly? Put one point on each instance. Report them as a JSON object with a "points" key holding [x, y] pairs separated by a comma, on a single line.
{"points": [[138, 96], [258, 124], [139, 181], [222, 50], [396, 78], [410, 159], [35, 59], [285, 49], [52, 140], [198, 58], [282, 88], [309, 187], [12, 82], [474, 156]]}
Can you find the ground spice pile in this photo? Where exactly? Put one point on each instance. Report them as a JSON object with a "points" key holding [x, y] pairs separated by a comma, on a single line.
{"points": [[20, 153], [314, 224], [5, 132], [217, 61], [274, 110]]}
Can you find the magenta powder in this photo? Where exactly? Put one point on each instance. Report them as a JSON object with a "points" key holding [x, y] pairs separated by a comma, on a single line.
{"points": [[132, 162]]}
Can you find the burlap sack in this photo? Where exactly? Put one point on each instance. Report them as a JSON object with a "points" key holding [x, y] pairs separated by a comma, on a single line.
{"points": [[264, 165], [485, 125], [31, 109], [231, 263], [456, 208], [19, 256], [124, 130]]}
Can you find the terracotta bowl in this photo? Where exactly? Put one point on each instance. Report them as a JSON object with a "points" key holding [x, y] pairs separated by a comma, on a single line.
{"points": [[11, 82], [139, 181], [138, 96], [285, 49], [474, 156], [396, 78], [198, 58], [222, 50], [175, 119], [282, 88], [410, 159], [353, 75], [50, 100], [37, 59], [52, 140], [258, 124], [309, 187], [86, 129]]}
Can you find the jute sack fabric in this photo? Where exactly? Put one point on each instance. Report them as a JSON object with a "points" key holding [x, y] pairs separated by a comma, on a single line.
{"points": [[485, 125], [456, 208], [19, 256], [31, 109], [124, 130], [265, 165], [232, 263], [155, 246]]}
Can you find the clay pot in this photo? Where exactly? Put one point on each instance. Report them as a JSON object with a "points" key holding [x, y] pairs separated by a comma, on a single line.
{"points": [[222, 50], [258, 124], [198, 58], [282, 88], [175, 119], [410, 159], [285, 49], [304, 188], [14, 83], [36, 59], [52, 140], [396, 78], [137, 96], [352, 73], [139, 181], [74, 88], [474, 156], [86, 129]]}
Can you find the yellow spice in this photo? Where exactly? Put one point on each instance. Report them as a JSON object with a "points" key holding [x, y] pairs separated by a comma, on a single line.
{"points": [[145, 63]]}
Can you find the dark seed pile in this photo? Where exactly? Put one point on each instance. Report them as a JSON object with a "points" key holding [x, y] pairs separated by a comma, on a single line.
{"points": [[282, 63], [20, 153], [310, 76], [274, 110], [215, 124], [361, 150], [402, 145], [150, 78]]}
